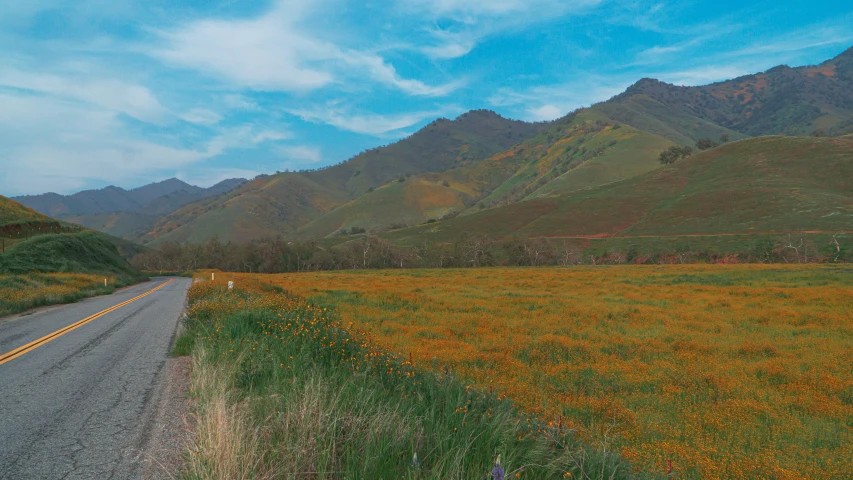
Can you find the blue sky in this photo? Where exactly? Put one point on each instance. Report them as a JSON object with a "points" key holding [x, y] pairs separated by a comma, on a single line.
{"points": [[99, 92]]}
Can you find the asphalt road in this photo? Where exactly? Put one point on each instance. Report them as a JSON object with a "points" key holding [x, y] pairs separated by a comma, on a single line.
{"points": [[80, 406]]}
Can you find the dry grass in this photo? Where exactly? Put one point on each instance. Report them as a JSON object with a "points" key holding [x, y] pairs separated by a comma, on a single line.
{"points": [[226, 443]]}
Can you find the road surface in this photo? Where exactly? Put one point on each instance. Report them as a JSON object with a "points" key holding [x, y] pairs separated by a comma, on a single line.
{"points": [[79, 404]]}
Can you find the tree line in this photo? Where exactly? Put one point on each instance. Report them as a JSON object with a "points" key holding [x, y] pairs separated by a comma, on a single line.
{"points": [[278, 255]]}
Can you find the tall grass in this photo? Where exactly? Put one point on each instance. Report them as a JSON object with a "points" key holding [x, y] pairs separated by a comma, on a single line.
{"points": [[19, 293], [283, 390]]}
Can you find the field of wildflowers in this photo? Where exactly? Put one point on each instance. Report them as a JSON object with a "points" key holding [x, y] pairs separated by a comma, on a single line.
{"points": [[739, 371], [284, 389], [19, 293]]}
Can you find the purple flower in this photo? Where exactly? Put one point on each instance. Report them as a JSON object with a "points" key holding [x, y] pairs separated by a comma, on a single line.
{"points": [[498, 471]]}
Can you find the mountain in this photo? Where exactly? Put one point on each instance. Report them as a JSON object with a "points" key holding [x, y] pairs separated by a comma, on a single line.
{"points": [[166, 196], [281, 203], [760, 185], [780, 101], [579, 151], [483, 173], [125, 213], [481, 161]]}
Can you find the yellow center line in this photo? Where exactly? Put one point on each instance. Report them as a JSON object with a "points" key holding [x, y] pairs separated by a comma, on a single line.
{"points": [[8, 356]]}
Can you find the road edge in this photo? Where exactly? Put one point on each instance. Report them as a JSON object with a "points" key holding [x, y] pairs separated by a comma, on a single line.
{"points": [[168, 421]]}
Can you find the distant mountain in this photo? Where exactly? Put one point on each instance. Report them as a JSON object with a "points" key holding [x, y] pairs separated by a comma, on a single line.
{"points": [[124, 213], [592, 173], [115, 199], [279, 204]]}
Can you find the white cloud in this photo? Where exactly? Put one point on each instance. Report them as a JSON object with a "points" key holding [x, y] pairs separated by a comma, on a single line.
{"points": [[302, 153], [209, 177], [52, 144], [703, 75], [368, 124], [131, 99], [548, 102], [272, 53], [202, 116], [270, 136], [545, 113], [497, 7], [450, 45], [238, 102]]}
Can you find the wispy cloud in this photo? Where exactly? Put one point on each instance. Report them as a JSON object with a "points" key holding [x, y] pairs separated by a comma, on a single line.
{"points": [[469, 9], [202, 116], [130, 99], [274, 53], [211, 176], [301, 153], [549, 102], [364, 123]]}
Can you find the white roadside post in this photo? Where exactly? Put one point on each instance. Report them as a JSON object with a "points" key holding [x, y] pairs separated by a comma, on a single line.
{"points": [[230, 285], [105, 282], [212, 276]]}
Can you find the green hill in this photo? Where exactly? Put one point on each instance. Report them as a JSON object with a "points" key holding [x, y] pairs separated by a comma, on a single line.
{"points": [[13, 213], [281, 203], [761, 185], [580, 151], [84, 252], [780, 101]]}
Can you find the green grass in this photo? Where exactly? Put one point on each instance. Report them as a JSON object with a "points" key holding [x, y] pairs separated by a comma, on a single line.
{"points": [[19, 293], [280, 203], [85, 252], [283, 391], [766, 185], [12, 212]]}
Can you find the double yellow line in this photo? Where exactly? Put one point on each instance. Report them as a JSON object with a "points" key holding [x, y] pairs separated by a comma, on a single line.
{"points": [[8, 356]]}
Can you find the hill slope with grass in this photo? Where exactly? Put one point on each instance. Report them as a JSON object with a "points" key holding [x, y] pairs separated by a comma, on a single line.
{"points": [[577, 152], [14, 213], [767, 184], [281, 203], [84, 252], [780, 101]]}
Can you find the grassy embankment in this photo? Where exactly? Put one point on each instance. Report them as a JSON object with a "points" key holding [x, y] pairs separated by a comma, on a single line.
{"points": [[60, 268], [284, 390], [735, 371]]}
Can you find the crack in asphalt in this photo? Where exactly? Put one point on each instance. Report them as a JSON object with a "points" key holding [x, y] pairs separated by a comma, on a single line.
{"points": [[78, 406]]}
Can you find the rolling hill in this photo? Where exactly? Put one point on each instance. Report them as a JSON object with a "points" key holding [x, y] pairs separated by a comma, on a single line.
{"points": [[487, 174], [580, 151], [780, 101], [760, 185], [83, 252], [13, 213], [281, 203]]}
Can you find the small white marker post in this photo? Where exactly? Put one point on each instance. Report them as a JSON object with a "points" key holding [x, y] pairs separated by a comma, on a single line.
{"points": [[230, 285], [212, 276], [105, 282]]}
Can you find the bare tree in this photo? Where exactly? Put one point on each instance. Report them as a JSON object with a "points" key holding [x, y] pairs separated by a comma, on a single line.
{"points": [[837, 247], [567, 253], [798, 246]]}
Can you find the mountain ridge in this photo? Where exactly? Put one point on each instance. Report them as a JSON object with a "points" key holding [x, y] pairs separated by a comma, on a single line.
{"points": [[454, 171]]}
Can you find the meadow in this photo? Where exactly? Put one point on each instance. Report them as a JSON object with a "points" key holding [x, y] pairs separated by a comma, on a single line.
{"points": [[19, 293], [282, 388], [721, 371]]}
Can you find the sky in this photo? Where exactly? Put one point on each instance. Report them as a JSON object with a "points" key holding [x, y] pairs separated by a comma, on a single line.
{"points": [[111, 92]]}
